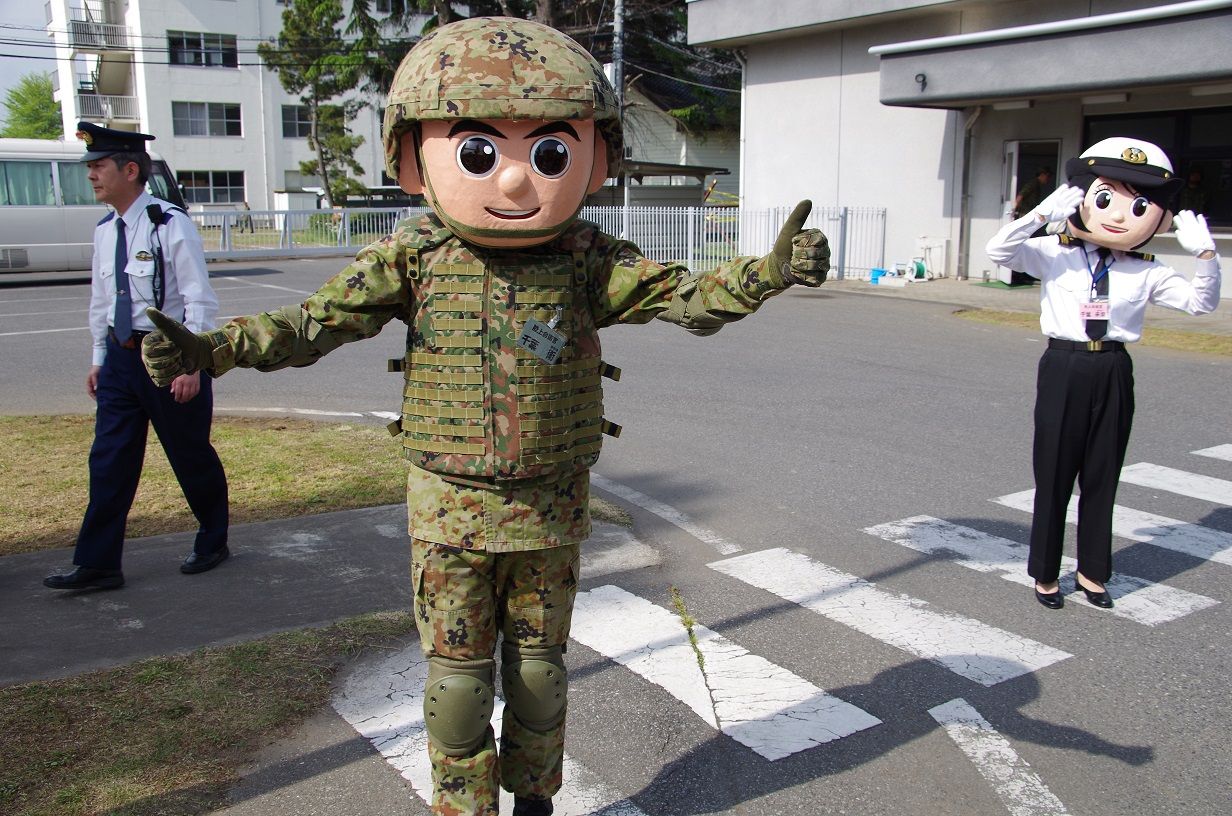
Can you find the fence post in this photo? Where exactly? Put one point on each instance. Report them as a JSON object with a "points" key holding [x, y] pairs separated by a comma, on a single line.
{"points": [[346, 227], [226, 233], [691, 215], [284, 240], [842, 243]]}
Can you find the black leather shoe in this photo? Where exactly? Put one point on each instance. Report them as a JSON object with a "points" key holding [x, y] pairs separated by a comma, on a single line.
{"points": [[196, 562], [1052, 600], [1101, 599], [530, 806], [86, 578]]}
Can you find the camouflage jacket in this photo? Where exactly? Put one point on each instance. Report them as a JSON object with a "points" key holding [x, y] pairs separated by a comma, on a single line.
{"points": [[465, 307]]}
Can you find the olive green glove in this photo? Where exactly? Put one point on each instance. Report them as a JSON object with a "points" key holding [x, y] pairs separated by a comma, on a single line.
{"points": [[801, 255], [172, 350]]}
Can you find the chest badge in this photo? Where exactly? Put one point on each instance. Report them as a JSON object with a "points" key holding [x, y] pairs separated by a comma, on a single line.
{"points": [[542, 339], [144, 256]]}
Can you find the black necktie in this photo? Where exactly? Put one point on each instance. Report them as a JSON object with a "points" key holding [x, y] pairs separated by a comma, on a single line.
{"points": [[1096, 329], [124, 301]]}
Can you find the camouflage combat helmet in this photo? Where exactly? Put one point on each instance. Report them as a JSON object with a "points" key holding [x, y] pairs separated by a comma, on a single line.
{"points": [[499, 68]]}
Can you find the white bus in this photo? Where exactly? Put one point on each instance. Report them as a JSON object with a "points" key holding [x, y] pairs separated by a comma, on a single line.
{"points": [[47, 207]]}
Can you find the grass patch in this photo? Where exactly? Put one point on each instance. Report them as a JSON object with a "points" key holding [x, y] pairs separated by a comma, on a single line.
{"points": [[276, 468], [164, 737], [1172, 339]]}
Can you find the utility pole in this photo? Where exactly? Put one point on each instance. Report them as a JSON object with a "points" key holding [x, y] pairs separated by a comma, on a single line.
{"points": [[618, 80]]}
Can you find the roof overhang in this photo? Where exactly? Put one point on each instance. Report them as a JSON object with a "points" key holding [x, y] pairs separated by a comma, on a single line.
{"points": [[1179, 44], [638, 170]]}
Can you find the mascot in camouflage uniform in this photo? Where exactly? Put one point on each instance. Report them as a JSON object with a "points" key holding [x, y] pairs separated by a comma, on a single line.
{"points": [[504, 126]]}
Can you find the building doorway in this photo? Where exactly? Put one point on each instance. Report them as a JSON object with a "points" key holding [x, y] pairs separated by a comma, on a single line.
{"points": [[1031, 170]]}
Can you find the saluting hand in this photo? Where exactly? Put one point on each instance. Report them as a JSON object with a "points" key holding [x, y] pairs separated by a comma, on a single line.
{"points": [[1192, 234], [1060, 204], [172, 350], [801, 255]]}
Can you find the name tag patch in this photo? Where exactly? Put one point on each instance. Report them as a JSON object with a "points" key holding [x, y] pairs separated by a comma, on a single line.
{"points": [[542, 340], [1093, 310]]}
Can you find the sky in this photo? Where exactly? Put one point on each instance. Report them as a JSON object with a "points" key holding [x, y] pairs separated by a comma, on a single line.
{"points": [[17, 17]]}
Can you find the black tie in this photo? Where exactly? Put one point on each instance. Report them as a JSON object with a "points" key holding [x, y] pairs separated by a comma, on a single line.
{"points": [[1096, 329], [124, 300]]}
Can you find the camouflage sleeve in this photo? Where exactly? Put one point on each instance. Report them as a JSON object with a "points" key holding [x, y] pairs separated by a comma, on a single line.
{"points": [[354, 304], [636, 289]]}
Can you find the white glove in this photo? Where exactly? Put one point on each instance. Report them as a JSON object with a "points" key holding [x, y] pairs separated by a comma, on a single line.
{"points": [[1060, 204], [1192, 234]]}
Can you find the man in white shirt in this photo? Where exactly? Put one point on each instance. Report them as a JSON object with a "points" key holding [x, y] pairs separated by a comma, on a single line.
{"points": [[1094, 292], [146, 253]]}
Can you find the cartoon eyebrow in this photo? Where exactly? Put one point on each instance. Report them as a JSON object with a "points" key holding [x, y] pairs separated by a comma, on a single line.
{"points": [[473, 126], [554, 127]]}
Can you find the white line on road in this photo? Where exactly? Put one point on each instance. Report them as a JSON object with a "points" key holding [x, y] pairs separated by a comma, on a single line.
{"points": [[1223, 452], [1137, 599], [1020, 789], [965, 646], [1172, 534], [44, 331], [748, 698], [261, 285], [383, 701], [303, 411], [1193, 485], [667, 513]]}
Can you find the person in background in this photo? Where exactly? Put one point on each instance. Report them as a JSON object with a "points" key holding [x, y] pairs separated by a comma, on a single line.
{"points": [[146, 253], [1095, 288]]}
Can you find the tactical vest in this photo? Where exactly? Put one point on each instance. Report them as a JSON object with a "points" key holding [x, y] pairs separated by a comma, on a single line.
{"points": [[477, 406]]}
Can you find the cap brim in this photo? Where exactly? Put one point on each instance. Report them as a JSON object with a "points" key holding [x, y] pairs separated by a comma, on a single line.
{"points": [[95, 155]]}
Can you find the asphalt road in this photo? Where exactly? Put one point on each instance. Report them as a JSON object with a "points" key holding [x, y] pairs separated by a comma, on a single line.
{"points": [[795, 431]]}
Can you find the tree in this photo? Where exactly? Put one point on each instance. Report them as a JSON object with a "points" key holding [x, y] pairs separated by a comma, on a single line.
{"points": [[313, 61], [31, 112]]}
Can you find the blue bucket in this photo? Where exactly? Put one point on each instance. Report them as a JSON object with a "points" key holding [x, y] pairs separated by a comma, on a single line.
{"points": [[877, 274]]}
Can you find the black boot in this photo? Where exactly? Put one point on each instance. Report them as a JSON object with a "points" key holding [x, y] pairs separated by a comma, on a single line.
{"points": [[531, 806]]}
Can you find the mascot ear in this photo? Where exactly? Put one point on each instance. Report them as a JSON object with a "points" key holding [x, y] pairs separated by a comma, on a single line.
{"points": [[409, 177], [598, 172]]}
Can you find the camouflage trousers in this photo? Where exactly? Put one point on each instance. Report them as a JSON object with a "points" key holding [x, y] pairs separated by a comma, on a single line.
{"points": [[464, 599]]}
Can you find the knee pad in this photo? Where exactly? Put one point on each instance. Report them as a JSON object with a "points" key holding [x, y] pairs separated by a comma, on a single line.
{"points": [[458, 702], [535, 683]]}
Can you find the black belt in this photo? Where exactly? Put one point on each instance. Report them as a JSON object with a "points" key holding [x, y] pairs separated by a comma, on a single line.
{"points": [[131, 343], [1088, 345]]}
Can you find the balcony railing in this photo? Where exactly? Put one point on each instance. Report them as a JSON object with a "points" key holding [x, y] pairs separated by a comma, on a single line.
{"points": [[88, 35], [110, 108]]}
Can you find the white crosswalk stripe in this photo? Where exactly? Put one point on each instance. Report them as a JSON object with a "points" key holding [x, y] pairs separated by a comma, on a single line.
{"points": [[667, 513], [1021, 790], [1206, 488], [1223, 452], [1180, 536], [967, 647], [748, 698], [1137, 599], [383, 701]]}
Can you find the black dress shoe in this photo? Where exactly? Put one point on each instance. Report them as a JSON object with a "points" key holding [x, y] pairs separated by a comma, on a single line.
{"points": [[1052, 600], [86, 578], [196, 562], [531, 806], [1101, 599]]}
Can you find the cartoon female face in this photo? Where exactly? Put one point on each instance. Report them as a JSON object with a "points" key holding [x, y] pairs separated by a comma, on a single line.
{"points": [[506, 183], [1118, 217]]}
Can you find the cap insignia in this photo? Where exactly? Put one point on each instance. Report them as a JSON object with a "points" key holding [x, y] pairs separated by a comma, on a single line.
{"points": [[85, 137], [1134, 155]]}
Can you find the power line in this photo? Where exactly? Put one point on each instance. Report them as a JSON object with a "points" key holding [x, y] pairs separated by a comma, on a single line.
{"points": [[683, 81]]}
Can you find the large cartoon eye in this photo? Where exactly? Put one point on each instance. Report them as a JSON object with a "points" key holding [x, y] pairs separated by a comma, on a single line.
{"points": [[477, 156], [1140, 206], [550, 157], [1102, 199]]}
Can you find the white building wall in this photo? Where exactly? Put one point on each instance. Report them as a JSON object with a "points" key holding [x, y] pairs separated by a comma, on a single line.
{"points": [[657, 137]]}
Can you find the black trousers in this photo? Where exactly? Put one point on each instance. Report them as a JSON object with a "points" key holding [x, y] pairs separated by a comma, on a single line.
{"points": [[128, 403], [1084, 408]]}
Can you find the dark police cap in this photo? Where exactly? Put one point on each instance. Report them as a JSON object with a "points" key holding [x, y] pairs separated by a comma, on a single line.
{"points": [[102, 142]]}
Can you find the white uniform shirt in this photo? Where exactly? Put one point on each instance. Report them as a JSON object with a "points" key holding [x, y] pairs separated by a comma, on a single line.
{"points": [[187, 295], [1066, 272]]}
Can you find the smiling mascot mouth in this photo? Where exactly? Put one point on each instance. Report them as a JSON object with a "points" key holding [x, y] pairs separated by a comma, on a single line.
{"points": [[512, 215]]}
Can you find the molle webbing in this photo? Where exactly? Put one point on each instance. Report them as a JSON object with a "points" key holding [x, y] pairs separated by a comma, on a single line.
{"points": [[474, 403]]}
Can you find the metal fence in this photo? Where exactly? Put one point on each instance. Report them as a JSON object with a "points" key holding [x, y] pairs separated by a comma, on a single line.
{"points": [[699, 237]]}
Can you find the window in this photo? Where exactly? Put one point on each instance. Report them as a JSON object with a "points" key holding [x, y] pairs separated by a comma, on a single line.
{"points": [[75, 187], [26, 183], [212, 186], [205, 119], [1199, 144], [208, 50], [296, 121]]}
